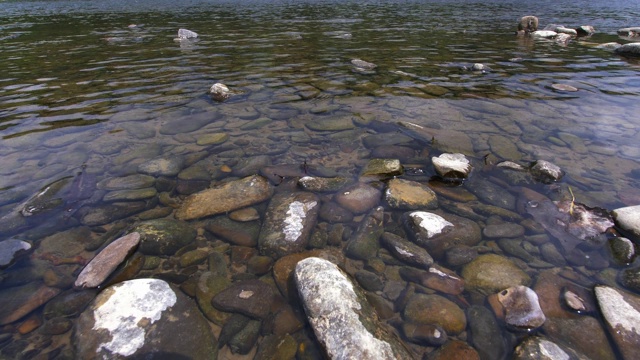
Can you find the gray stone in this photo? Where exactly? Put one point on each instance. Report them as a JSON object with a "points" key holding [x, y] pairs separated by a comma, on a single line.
{"points": [[631, 49], [528, 24], [455, 166], [410, 195], [219, 92], [180, 123], [486, 336], [630, 278], [621, 312], [363, 64], [539, 348], [407, 251], [162, 166], [628, 219], [105, 214], [380, 169], [107, 260], [437, 310], [629, 32], [137, 181], [504, 230], [130, 195], [252, 298], [320, 184], [12, 249], [585, 30], [143, 318], [251, 165], [164, 236], [544, 34], [344, 324], [546, 172], [184, 34], [227, 197], [288, 222], [331, 124]]}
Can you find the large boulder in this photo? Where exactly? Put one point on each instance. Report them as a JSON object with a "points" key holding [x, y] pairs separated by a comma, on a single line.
{"points": [[143, 318], [288, 223], [344, 324], [621, 312]]}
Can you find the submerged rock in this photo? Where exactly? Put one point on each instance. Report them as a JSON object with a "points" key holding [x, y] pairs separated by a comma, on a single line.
{"points": [[411, 195], [22, 300], [544, 34], [288, 222], [364, 243], [343, 322], [359, 197], [164, 236], [629, 32], [545, 171], [361, 64], [407, 251], [435, 310], [379, 169], [227, 197], [438, 233], [143, 318], [538, 348], [11, 250], [252, 298], [219, 92], [491, 273]]}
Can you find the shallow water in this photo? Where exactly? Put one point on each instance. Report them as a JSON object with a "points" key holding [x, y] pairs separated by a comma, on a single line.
{"points": [[83, 92]]}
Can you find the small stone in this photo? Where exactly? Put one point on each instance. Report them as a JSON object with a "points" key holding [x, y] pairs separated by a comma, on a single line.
{"points": [[544, 34], [455, 349], [359, 198], [363, 64], [585, 30], [435, 310], [622, 250], [319, 184], [219, 92], [528, 24], [546, 172], [245, 215], [504, 230], [212, 139], [455, 166], [521, 308], [628, 219], [428, 334], [407, 251], [411, 195], [491, 273], [564, 87], [379, 169], [162, 166], [184, 34]]}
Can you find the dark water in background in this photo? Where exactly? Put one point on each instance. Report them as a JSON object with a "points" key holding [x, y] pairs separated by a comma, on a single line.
{"points": [[79, 89]]}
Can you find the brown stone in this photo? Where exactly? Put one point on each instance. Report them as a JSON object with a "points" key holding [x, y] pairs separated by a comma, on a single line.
{"points": [[455, 349], [107, 260]]}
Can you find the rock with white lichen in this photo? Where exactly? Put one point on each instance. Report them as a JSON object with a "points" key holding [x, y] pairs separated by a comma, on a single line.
{"points": [[344, 324], [621, 313], [455, 166], [288, 223], [143, 319]]}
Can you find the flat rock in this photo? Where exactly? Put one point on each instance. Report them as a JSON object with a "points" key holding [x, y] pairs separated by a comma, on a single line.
{"points": [[621, 312], [379, 169], [631, 49], [162, 166], [252, 298], [235, 232], [410, 195], [164, 236], [343, 322], [130, 195], [435, 309], [22, 300], [455, 166], [107, 260], [288, 222], [331, 124], [143, 318], [320, 184], [406, 251], [229, 196], [628, 219]]}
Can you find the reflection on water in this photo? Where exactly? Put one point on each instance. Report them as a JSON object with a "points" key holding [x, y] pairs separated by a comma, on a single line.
{"points": [[97, 92]]}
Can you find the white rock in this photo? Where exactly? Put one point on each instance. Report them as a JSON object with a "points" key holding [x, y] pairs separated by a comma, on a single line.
{"points": [[452, 165], [544, 34], [432, 223], [628, 219], [294, 221], [184, 34]]}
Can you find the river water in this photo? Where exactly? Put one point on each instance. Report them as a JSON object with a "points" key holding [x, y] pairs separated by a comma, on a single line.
{"points": [[92, 90]]}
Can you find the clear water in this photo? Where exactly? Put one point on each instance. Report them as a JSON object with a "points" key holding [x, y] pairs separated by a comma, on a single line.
{"points": [[80, 90]]}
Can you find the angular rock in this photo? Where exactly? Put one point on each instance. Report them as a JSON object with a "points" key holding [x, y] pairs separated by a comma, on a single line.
{"points": [[363, 64], [455, 166], [143, 318], [164, 236], [546, 172], [406, 251], [439, 233], [621, 312], [585, 30], [252, 298], [521, 308], [186, 34], [358, 198], [364, 243], [288, 222], [11, 250], [379, 169], [345, 326], [107, 260], [528, 24], [538, 348], [544, 34], [491, 273], [410, 195], [229, 196]]}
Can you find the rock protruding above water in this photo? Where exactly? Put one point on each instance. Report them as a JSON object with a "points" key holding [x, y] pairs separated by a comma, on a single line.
{"points": [[410, 195], [455, 166], [164, 236], [628, 219], [407, 251], [585, 30], [546, 172], [631, 49], [288, 222], [364, 65], [629, 32], [184, 34], [143, 318], [528, 24], [12, 249], [229, 196], [380, 169], [621, 312], [219, 92], [520, 307], [342, 320], [440, 232], [107, 260], [539, 348]]}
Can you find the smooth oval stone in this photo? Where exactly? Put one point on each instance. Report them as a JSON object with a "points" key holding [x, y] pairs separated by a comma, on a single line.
{"points": [[358, 198], [410, 195], [491, 273], [435, 309], [130, 182], [521, 307], [162, 166], [130, 195]]}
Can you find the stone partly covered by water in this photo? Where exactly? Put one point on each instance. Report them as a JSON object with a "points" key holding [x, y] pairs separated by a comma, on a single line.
{"points": [[455, 166], [361, 64], [12, 249], [439, 232], [107, 260], [288, 223], [629, 32], [219, 92], [628, 219], [344, 324], [621, 312], [631, 49], [22, 300], [184, 34], [539, 348], [406, 251], [528, 24], [520, 308], [143, 318], [229, 196], [491, 273], [546, 172]]}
